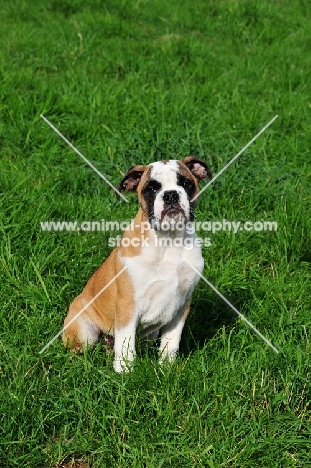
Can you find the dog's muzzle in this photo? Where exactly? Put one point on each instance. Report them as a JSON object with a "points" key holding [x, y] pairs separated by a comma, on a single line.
{"points": [[172, 211]]}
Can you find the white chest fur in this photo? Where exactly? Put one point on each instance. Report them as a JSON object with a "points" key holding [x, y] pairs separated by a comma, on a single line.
{"points": [[163, 281]]}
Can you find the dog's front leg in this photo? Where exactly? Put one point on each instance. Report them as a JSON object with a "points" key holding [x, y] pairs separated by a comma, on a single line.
{"points": [[124, 347], [171, 334]]}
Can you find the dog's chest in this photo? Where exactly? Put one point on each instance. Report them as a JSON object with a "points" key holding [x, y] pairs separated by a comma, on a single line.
{"points": [[161, 287]]}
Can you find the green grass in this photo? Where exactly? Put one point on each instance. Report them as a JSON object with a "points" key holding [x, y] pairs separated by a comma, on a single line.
{"points": [[132, 82]]}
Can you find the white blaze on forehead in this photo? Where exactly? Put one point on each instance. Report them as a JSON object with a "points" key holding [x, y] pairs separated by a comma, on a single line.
{"points": [[165, 173]]}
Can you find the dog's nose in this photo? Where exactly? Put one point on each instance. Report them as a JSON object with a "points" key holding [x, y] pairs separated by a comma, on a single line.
{"points": [[171, 197]]}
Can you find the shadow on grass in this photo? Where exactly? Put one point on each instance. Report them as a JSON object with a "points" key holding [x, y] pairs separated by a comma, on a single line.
{"points": [[208, 316], [306, 257]]}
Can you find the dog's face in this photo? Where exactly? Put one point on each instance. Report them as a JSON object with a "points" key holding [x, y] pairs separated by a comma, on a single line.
{"points": [[165, 189]]}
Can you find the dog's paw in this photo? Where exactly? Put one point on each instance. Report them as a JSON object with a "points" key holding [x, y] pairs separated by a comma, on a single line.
{"points": [[122, 365], [166, 357]]}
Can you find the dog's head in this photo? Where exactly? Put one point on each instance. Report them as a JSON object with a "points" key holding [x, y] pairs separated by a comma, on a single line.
{"points": [[165, 188]]}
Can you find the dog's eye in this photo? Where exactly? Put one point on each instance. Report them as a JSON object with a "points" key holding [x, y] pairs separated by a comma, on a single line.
{"points": [[152, 187], [187, 184]]}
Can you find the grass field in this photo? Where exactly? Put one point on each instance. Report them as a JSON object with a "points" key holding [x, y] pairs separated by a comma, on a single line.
{"points": [[131, 82]]}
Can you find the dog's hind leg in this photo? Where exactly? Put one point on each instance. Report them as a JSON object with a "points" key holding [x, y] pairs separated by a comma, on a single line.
{"points": [[79, 329]]}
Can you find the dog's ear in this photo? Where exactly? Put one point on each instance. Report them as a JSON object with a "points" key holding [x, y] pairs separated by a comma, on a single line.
{"points": [[199, 168], [131, 179]]}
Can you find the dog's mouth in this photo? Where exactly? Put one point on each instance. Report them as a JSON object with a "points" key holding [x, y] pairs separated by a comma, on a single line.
{"points": [[173, 214], [172, 211], [169, 219]]}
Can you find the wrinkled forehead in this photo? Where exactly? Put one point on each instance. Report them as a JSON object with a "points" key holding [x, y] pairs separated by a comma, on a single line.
{"points": [[164, 172], [167, 173]]}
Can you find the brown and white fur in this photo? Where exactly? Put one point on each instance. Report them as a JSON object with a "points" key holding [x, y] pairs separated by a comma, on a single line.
{"points": [[153, 295]]}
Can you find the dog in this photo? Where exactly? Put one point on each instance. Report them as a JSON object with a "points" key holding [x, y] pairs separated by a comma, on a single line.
{"points": [[153, 294]]}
